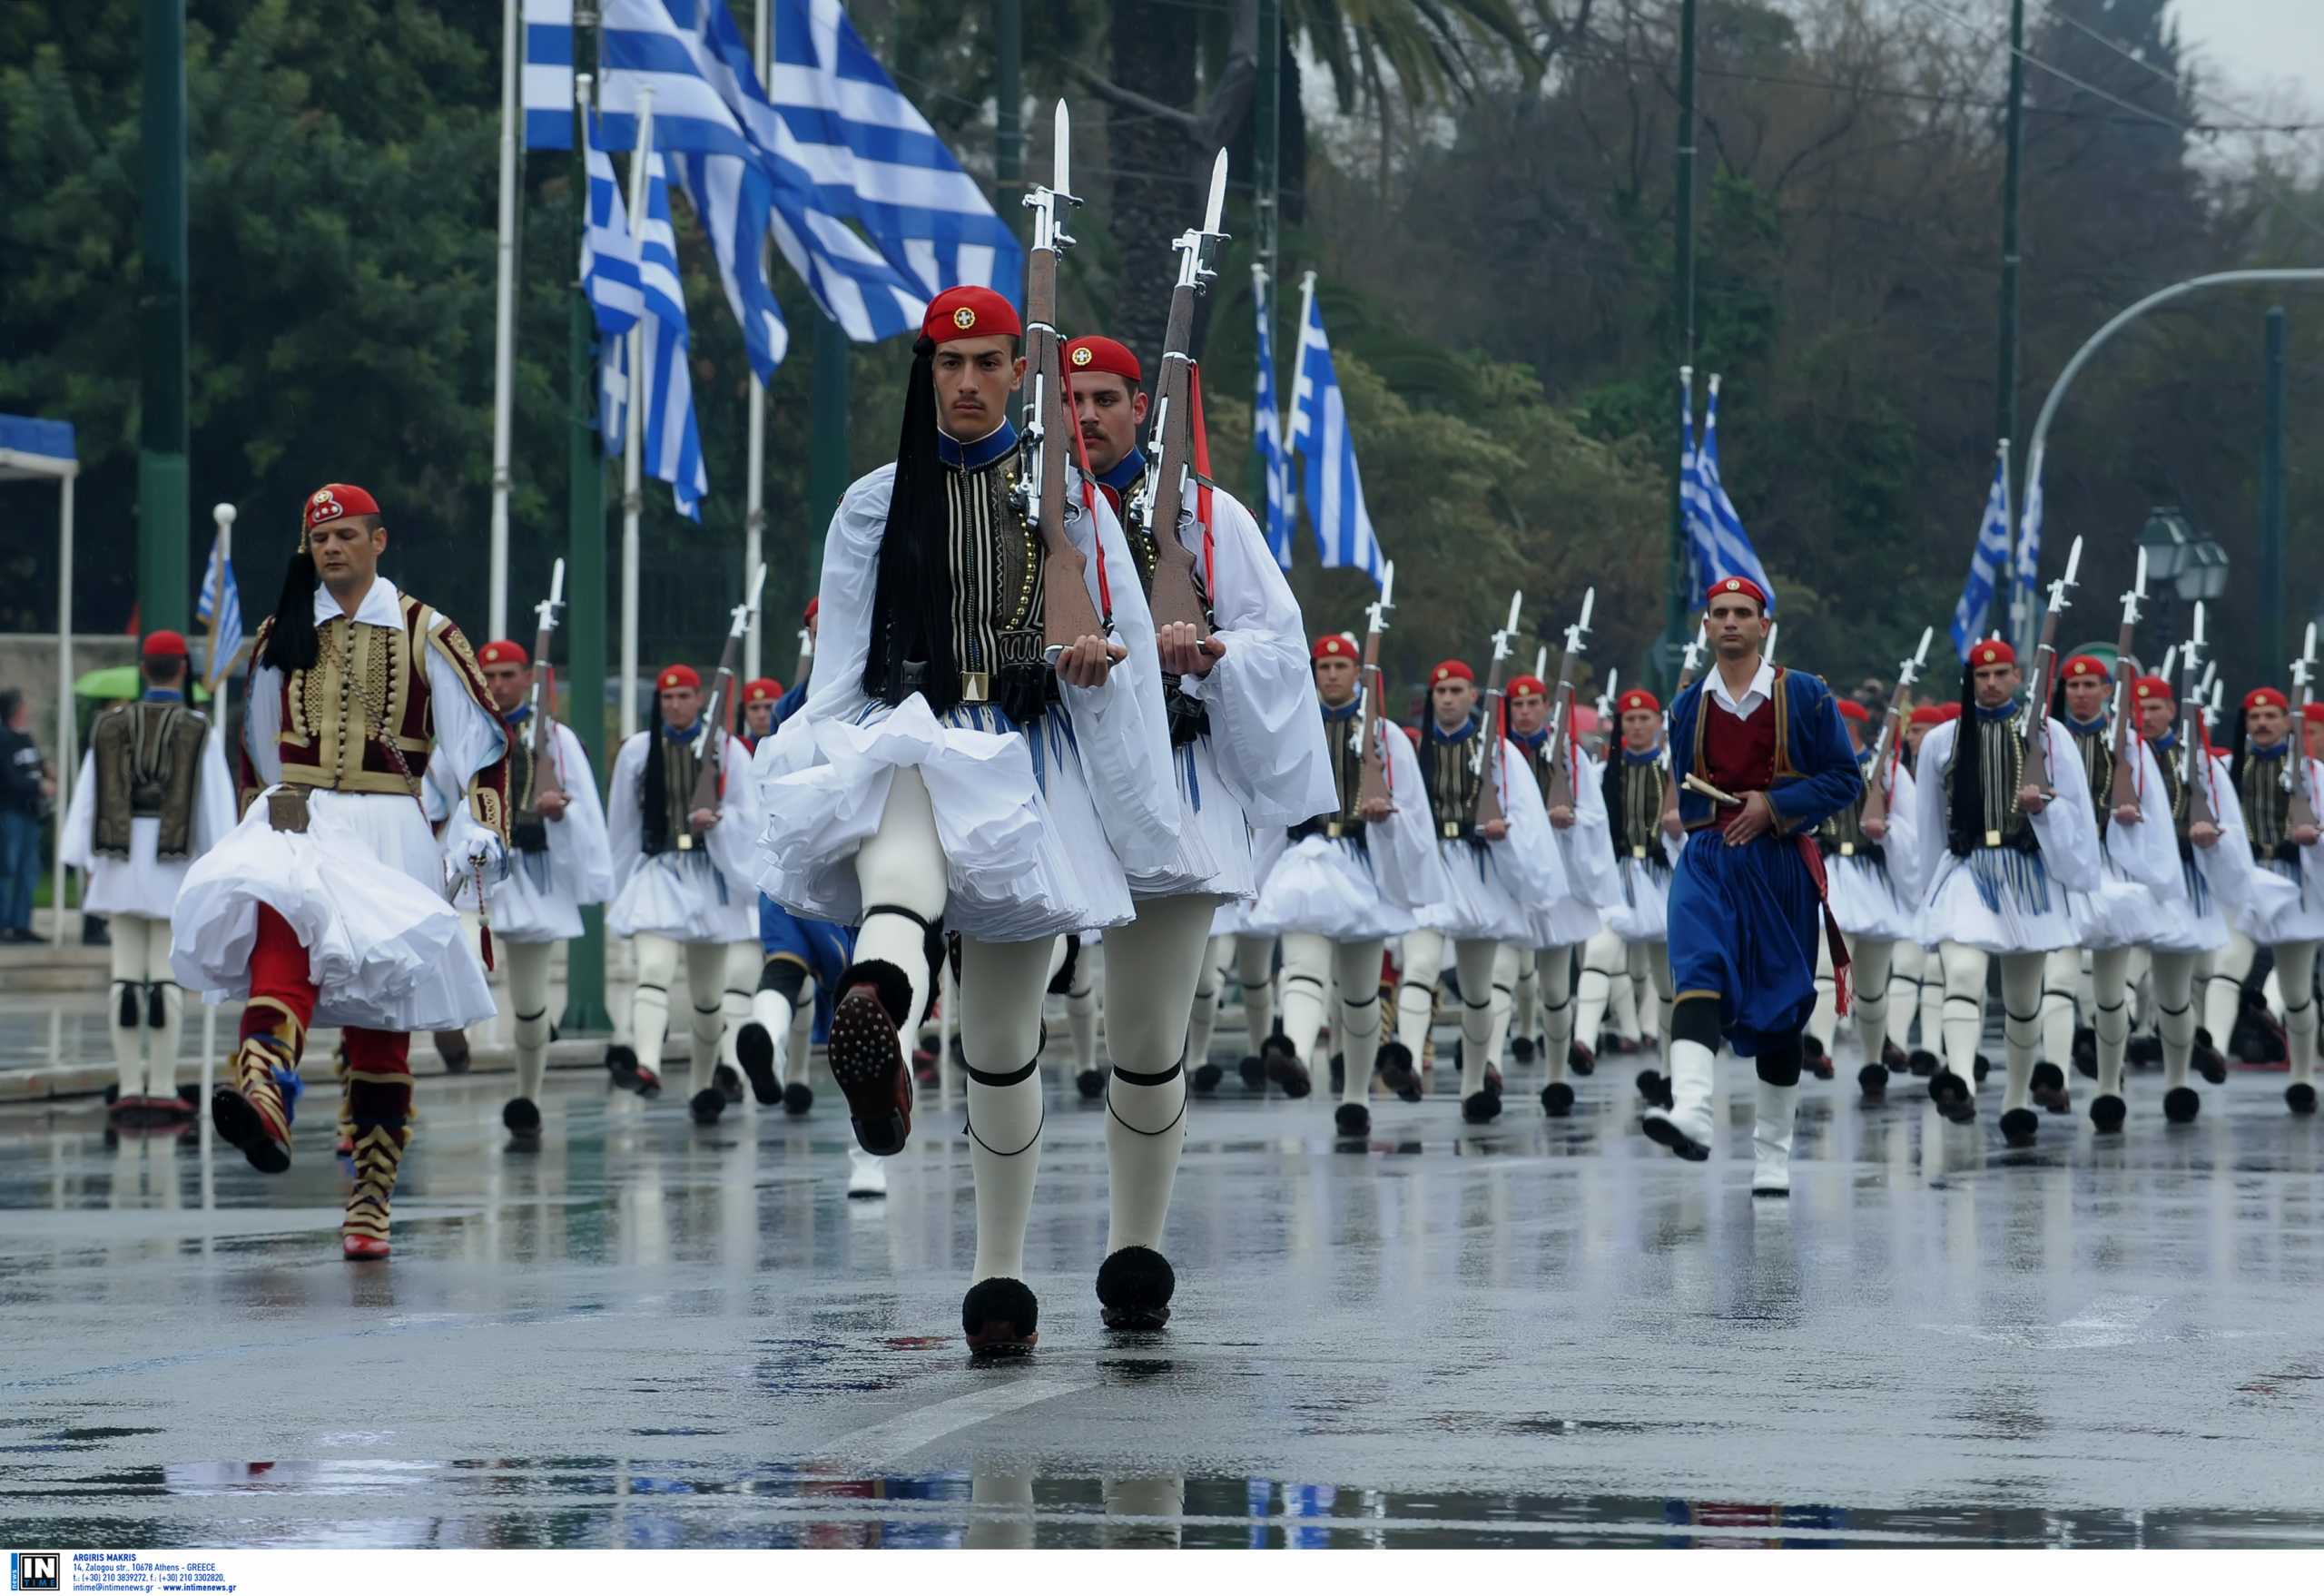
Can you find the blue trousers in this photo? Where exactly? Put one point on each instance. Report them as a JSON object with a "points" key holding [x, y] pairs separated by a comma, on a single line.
{"points": [[19, 868], [1743, 928]]}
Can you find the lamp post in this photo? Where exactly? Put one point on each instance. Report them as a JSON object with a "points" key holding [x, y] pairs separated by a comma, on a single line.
{"points": [[2184, 560]]}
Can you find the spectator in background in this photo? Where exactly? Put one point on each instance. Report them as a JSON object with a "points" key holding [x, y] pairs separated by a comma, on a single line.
{"points": [[26, 786]]}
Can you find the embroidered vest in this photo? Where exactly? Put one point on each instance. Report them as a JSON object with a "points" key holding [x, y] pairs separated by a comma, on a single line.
{"points": [[1450, 772], [2096, 751], [2001, 766], [996, 564], [2267, 807], [148, 757], [680, 769]]}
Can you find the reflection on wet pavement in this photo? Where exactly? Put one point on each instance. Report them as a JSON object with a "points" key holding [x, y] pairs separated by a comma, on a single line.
{"points": [[1531, 1334]]}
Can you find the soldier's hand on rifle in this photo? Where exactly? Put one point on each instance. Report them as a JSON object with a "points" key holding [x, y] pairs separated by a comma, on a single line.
{"points": [[702, 820], [1087, 661], [1493, 831], [2032, 799], [2126, 814], [1561, 816], [1185, 655], [2203, 834], [1876, 829], [2305, 835], [1755, 819], [553, 806], [1375, 809]]}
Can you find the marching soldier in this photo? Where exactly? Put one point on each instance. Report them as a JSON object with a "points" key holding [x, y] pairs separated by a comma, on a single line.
{"points": [[1635, 945], [1915, 980], [152, 797], [1760, 760], [1348, 879], [326, 904], [560, 862], [943, 768], [682, 871], [761, 694], [1866, 859], [1997, 888]]}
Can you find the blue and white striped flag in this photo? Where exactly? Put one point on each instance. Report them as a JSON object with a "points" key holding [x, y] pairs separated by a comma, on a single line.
{"points": [[1690, 485], [1268, 428], [1334, 492], [220, 608], [2028, 603], [1721, 547], [545, 80], [1985, 565], [672, 442], [609, 280]]}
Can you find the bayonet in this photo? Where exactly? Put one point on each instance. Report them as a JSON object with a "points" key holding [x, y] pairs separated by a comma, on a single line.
{"points": [[1560, 794], [710, 782], [2034, 725], [1485, 762], [2123, 791], [1372, 782], [1892, 727]]}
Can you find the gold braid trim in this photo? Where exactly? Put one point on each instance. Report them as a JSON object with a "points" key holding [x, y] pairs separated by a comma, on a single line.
{"points": [[488, 790]]}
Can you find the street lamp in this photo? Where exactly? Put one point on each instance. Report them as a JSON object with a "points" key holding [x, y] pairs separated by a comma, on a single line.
{"points": [[2202, 572], [2166, 538]]}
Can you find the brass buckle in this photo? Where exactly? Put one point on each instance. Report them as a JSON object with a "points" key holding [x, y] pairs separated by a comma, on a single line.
{"points": [[1848, 850], [1638, 851], [286, 809], [685, 842], [1992, 839], [1335, 828], [976, 686], [1452, 829]]}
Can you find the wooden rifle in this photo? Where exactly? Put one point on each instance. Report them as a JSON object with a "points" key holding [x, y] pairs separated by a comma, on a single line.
{"points": [[1178, 596], [1690, 665], [2194, 764], [1892, 727], [542, 698], [2122, 793], [1068, 615], [709, 781], [2302, 810], [2034, 726], [1372, 782], [1486, 761], [1561, 792]]}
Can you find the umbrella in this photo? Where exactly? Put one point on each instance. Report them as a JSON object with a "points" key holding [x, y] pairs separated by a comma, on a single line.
{"points": [[118, 682]]}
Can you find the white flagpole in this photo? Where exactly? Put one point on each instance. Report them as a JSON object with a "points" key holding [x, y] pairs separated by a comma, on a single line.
{"points": [[754, 489], [634, 449], [222, 553], [1289, 399], [504, 314]]}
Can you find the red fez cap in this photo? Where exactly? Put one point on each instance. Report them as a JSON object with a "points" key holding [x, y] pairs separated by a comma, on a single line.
{"points": [[1743, 584], [164, 646], [1332, 646], [1450, 671], [2083, 664], [2146, 687], [1929, 715], [1102, 355], [1527, 686], [1851, 710], [502, 652], [969, 311], [2312, 710], [1991, 651], [1638, 698], [335, 501], [814, 609], [1949, 711], [678, 675], [2267, 695], [762, 690]]}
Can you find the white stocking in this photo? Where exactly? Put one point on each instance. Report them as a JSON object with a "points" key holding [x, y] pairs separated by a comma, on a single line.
{"points": [[1505, 964], [1603, 962], [649, 1010], [1869, 977], [1932, 999], [1359, 1034], [743, 961], [1525, 1017], [1081, 1012], [2061, 976], [1965, 1009], [2174, 1013], [705, 991], [1474, 958], [528, 967], [1307, 970], [1152, 967], [2295, 972], [127, 998], [901, 866], [1823, 1020], [2109, 997], [1555, 966], [1254, 971], [1210, 991], [1625, 1001], [1905, 965], [1416, 994], [2021, 1023], [1656, 956], [1000, 1038], [2223, 990]]}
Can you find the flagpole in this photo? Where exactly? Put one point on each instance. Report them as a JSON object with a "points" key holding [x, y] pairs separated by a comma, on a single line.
{"points": [[504, 314], [755, 487], [220, 554], [2009, 545], [634, 446], [1261, 487]]}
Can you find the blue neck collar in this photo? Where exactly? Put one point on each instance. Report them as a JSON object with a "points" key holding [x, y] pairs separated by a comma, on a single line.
{"points": [[1343, 712], [519, 716], [1437, 733], [688, 735], [163, 696], [2004, 713], [1651, 756], [2169, 740], [2085, 728], [2270, 750], [975, 457], [1126, 472], [1530, 740]]}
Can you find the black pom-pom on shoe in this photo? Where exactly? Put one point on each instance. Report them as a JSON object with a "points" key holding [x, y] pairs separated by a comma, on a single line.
{"points": [[798, 1097], [2301, 1097], [1206, 1078], [1872, 1081], [1090, 1084], [1352, 1119], [2107, 1113], [1581, 1059], [1339, 1072], [2085, 1050], [1521, 1048], [522, 1116], [1953, 1096], [729, 1084], [2049, 1089], [2020, 1128], [754, 1050], [1134, 1289], [2209, 1062], [1254, 1071], [1396, 1066], [706, 1105], [1983, 1068], [1481, 1107], [621, 1063], [1654, 1089], [1557, 1100], [1000, 1317], [1284, 1070], [2180, 1104], [1923, 1063]]}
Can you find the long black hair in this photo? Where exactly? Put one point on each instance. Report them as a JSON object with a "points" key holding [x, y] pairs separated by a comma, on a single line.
{"points": [[1967, 815], [911, 603], [2239, 742], [291, 640], [654, 803]]}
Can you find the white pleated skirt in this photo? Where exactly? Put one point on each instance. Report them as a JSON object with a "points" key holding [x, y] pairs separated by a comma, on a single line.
{"points": [[1999, 900], [1025, 856], [1644, 913], [1483, 902], [144, 884], [2296, 917], [362, 888], [1212, 858], [686, 897], [1327, 887], [1865, 902]]}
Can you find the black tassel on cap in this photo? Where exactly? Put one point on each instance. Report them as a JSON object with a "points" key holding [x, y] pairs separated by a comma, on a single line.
{"points": [[290, 641], [912, 603], [1968, 795]]}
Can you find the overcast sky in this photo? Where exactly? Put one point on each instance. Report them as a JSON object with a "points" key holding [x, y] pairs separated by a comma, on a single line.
{"points": [[2258, 51]]}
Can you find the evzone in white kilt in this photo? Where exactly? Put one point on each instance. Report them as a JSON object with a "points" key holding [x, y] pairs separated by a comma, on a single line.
{"points": [[1633, 947], [1995, 884], [683, 898], [1558, 928], [152, 796], [2285, 910], [1340, 887], [1872, 884]]}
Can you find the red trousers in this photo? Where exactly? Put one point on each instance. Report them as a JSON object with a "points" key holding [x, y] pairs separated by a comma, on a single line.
{"points": [[379, 1072]]}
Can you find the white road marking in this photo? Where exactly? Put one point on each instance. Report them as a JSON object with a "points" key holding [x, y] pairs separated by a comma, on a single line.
{"points": [[876, 1445]]}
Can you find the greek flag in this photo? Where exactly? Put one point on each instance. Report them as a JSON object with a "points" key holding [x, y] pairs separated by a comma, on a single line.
{"points": [[631, 275], [1267, 429], [220, 608], [545, 80], [1719, 545], [1334, 492], [1985, 566], [2028, 602], [609, 280]]}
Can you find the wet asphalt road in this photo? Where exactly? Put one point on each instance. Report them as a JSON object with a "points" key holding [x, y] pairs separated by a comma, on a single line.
{"points": [[1533, 1334]]}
